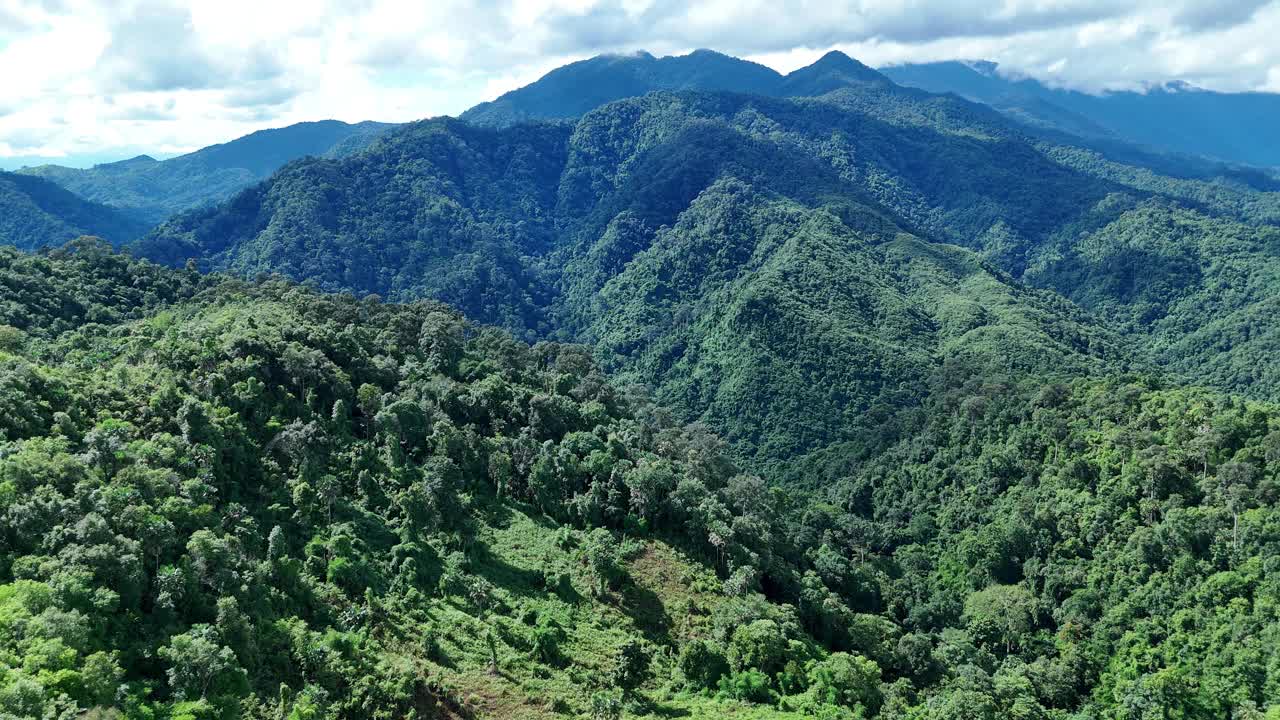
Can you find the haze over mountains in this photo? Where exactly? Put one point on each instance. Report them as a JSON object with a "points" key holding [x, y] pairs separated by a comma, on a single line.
{"points": [[663, 387], [1231, 127], [1234, 127], [151, 190]]}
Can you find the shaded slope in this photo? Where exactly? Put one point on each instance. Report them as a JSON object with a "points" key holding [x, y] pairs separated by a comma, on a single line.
{"points": [[790, 330], [438, 209], [35, 213]]}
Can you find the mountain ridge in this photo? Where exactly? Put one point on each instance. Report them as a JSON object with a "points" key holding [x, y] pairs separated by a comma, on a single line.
{"points": [[572, 90], [1231, 127], [36, 213], [151, 190]]}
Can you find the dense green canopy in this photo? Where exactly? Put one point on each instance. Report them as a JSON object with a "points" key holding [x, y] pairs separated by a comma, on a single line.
{"points": [[780, 268], [226, 499], [700, 405]]}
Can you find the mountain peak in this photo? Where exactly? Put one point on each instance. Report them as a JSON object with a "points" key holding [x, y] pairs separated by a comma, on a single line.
{"points": [[136, 161], [835, 56], [839, 62], [983, 67], [632, 55], [831, 72]]}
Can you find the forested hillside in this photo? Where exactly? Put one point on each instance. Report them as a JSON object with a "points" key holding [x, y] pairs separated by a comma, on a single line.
{"points": [[808, 397], [678, 260], [36, 213], [151, 190], [224, 499], [765, 260]]}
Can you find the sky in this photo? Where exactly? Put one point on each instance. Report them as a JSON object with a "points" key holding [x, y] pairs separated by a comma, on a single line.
{"points": [[96, 81]]}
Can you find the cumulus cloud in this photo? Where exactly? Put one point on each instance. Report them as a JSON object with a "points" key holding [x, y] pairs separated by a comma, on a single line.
{"points": [[85, 75], [156, 46]]}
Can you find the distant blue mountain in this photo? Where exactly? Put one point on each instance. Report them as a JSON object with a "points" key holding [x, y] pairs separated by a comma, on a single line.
{"points": [[1234, 127], [578, 88], [151, 190]]}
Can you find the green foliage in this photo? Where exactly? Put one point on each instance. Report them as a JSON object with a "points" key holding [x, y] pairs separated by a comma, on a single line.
{"points": [[750, 686], [632, 670], [759, 645], [256, 501], [1003, 613], [698, 253], [200, 668], [965, 498], [600, 550], [765, 264], [846, 680], [701, 665]]}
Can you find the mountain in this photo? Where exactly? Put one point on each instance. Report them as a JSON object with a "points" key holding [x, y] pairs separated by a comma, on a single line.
{"points": [[152, 190], [357, 508], [889, 407], [696, 253], [574, 90], [223, 499], [1234, 127], [35, 213], [831, 72], [528, 227]]}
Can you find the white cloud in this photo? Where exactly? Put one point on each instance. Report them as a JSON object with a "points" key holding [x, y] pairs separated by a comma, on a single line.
{"points": [[83, 77]]}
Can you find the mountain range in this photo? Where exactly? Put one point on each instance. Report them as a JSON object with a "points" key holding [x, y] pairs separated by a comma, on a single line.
{"points": [[151, 190], [600, 230], [1175, 116], [660, 388], [576, 89]]}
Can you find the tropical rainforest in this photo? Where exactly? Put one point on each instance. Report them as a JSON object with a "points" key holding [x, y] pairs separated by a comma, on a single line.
{"points": [[711, 393]]}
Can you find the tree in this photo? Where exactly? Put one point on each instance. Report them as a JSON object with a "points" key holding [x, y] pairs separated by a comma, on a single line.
{"points": [[602, 554], [701, 664], [442, 341], [606, 706], [847, 681], [759, 645], [1237, 482], [101, 674], [1002, 612], [632, 668], [200, 667]]}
